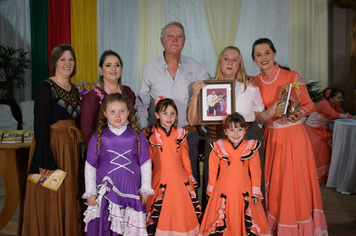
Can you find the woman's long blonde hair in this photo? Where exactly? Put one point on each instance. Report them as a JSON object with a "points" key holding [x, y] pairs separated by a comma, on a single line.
{"points": [[103, 122], [241, 73]]}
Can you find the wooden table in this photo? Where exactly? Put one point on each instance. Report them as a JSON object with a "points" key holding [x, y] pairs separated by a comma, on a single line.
{"points": [[13, 167]]}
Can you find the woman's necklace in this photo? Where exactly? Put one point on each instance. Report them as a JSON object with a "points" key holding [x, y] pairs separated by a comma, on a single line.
{"points": [[64, 84]]}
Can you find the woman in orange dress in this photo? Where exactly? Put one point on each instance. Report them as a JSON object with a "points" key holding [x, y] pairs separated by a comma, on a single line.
{"points": [[174, 208], [320, 135], [234, 188], [293, 197]]}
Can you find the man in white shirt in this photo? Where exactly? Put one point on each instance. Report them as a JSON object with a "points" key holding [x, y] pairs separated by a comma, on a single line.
{"points": [[214, 105], [171, 75]]}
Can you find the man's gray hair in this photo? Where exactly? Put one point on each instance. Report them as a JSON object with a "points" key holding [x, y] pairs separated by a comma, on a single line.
{"points": [[176, 23]]}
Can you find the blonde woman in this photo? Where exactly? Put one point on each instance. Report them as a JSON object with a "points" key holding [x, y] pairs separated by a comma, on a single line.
{"points": [[248, 102]]}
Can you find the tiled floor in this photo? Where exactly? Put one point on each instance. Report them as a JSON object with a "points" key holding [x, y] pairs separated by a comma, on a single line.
{"points": [[340, 211]]}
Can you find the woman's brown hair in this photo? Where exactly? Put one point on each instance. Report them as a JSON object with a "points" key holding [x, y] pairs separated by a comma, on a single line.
{"points": [[101, 63], [57, 52]]}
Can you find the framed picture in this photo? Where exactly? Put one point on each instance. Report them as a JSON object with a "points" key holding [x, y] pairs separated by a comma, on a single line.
{"points": [[216, 100]]}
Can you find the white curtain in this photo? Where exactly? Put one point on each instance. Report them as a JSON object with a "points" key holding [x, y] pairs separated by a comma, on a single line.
{"points": [[264, 19], [149, 30], [198, 45], [309, 38], [15, 31], [117, 27], [222, 18]]}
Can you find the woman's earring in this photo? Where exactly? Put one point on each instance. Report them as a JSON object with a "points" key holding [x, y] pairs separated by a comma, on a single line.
{"points": [[101, 74]]}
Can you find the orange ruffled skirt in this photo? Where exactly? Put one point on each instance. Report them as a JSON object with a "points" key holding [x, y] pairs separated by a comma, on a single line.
{"points": [[294, 203]]}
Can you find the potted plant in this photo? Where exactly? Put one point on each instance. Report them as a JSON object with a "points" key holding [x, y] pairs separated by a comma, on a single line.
{"points": [[313, 88], [13, 65]]}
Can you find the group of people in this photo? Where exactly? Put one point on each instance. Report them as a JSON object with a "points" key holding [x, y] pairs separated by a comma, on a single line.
{"points": [[141, 170]]}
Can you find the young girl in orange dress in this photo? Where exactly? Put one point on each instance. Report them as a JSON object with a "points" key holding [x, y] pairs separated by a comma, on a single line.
{"points": [[234, 187], [174, 208], [293, 197], [320, 135]]}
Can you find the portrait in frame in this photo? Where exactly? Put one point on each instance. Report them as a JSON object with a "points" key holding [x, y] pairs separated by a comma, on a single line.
{"points": [[216, 100]]}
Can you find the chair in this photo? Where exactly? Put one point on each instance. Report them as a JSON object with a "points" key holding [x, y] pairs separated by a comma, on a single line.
{"points": [[7, 121], [27, 114]]}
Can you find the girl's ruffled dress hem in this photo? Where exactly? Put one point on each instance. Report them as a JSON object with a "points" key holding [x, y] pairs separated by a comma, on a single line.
{"points": [[123, 221]]}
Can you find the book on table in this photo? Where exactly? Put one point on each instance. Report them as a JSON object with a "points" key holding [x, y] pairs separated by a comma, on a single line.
{"points": [[1, 134], [13, 136], [28, 136]]}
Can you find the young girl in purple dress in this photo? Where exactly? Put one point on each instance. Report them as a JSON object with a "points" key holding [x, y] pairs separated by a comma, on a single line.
{"points": [[117, 173]]}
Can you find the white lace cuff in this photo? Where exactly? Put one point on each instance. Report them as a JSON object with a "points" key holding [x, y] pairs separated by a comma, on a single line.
{"points": [[146, 171], [342, 116], [90, 181]]}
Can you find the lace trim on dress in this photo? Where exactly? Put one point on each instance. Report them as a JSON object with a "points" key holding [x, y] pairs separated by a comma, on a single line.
{"points": [[146, 178], [283, 123], [343, 116], [273, 75], [316, 224], [118, 130], [90, 181], [116, 190], [315, 120], [123, 221]]}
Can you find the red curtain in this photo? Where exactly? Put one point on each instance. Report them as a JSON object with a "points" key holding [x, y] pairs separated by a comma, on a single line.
{"points": [[58, 24]]}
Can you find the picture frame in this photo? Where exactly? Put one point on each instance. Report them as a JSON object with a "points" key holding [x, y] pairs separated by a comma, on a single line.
{"points": [[216, 100]]}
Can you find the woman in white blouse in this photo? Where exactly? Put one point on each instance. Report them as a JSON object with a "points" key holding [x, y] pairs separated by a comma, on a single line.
{"points": [[248, 102]]}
